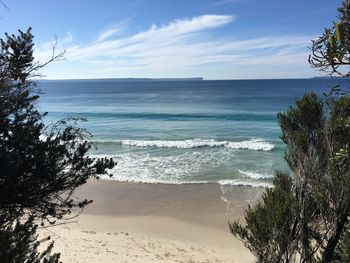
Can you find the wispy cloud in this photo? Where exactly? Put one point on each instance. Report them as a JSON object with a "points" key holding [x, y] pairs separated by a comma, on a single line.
{"points": [[156, 41], [106, 34], [67, 39], [180, 46], [114, 30], [223, 2]]}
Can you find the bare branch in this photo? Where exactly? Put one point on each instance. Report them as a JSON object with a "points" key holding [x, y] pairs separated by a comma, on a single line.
{"points": [[4, 5]]}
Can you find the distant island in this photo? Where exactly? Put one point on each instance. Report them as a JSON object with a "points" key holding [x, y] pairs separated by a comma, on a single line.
{"points": [[131, 79], [328, 77]]}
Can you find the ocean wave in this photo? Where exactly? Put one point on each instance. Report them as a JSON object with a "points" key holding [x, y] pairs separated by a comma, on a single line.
{"points": [[233, 182], [255, 175], [253, 144], [185, 168], [152, 180], [240, 182], [162, 169], [243, 116]]}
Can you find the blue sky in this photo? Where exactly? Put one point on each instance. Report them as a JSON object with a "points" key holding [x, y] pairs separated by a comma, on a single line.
{"points": [[214, 39]]}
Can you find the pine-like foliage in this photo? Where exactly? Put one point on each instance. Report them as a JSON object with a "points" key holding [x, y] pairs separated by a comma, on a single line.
{"points": [[40, 166], [19, 243]]}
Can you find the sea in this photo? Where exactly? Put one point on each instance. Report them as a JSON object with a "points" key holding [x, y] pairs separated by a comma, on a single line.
{"points": [[182, 131]]}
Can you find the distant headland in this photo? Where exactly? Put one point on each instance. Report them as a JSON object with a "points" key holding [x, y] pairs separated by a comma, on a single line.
{"points": [[131, 79]]}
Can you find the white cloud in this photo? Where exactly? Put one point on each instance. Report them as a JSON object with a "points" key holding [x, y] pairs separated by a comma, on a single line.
{"points": [[186, 26], [67, 39], [154, 41], [114, 30], [106, 34], [178, 48], [223, 2]]}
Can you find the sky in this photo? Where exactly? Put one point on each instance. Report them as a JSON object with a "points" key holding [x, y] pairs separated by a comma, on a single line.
{"points": [[213, 39]]}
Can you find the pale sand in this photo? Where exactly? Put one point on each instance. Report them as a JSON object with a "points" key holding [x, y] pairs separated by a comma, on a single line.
{"points": [[153, 223]]}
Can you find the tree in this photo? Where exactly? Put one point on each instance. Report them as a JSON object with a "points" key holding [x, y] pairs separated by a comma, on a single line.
{"points": [[41, 165], [19, 243], [306, 218], [273, 213], [330, 53]]}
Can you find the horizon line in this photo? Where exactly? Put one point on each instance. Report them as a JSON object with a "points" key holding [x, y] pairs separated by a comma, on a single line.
{"points": [[182, 78]]}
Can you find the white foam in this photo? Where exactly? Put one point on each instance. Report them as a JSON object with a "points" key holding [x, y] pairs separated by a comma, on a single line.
{"points": [[173, 169], [255, 175], [240, 182], [185, 168], [189, 167], [253, 144], [152, 181]]}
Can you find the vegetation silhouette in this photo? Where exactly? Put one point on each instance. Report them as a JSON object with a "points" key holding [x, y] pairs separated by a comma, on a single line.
{"points": [[305, 216], [41, 165]]}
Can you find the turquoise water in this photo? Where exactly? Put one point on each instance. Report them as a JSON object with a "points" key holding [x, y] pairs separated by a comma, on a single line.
{"points": [[183, 131]]}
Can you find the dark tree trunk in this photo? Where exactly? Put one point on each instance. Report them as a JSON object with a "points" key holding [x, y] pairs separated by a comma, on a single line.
{"points": [[328, 253]]}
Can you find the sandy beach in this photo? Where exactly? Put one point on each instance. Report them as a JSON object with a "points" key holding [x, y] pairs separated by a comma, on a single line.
{"points": [[131, 222]]}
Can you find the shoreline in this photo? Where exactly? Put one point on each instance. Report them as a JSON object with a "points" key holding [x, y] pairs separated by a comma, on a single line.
{"points": [[137, 222]]}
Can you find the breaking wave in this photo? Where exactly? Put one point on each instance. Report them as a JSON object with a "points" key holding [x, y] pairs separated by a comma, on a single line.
{"points": [[253, 144]]}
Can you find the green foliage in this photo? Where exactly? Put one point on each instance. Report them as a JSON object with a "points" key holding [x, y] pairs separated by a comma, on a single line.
{"points": [[342, 253], [316, 204], [41, 165], [19, 243], [269, 230], [331, 52], [304, 217]]}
